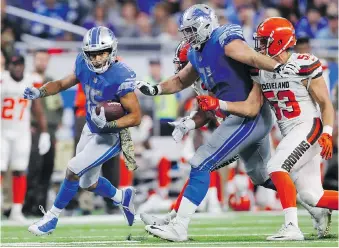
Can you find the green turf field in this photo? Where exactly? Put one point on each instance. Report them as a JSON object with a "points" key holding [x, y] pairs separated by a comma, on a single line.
{"points": [[231, 229]]}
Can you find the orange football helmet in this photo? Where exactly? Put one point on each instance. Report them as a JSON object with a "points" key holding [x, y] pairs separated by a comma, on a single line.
{"points": [[180, 59], [274, 35]]}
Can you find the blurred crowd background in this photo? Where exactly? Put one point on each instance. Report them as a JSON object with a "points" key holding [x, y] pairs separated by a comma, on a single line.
{"points": [[147, 35]]}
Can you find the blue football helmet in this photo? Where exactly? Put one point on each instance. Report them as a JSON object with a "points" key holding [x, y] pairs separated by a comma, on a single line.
{"points": [[99, 39], [197, 24]]}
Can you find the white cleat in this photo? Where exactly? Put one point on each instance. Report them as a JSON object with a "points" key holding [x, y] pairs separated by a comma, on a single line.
{"points": [[322, 222], [46, 225], [287, 232], [174, 231], [152, 220]]}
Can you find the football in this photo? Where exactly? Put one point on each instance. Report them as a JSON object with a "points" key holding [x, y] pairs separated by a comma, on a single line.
{"points": [[113, 110]]}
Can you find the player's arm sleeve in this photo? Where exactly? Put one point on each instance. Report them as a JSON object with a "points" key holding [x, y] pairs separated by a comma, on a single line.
{"points": [[127, 86], [310, 69], [230, 33]]}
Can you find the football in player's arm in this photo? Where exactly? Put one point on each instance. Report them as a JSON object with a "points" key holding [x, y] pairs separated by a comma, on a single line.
{"points": [[128, 101], [104, 78]]}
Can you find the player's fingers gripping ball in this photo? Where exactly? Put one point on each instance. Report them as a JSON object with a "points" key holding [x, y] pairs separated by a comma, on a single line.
{"points": [[325, 141]]}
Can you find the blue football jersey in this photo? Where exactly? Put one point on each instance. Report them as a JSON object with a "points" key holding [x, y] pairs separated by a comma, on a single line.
{"points": [[114, 83], [227, 78]]}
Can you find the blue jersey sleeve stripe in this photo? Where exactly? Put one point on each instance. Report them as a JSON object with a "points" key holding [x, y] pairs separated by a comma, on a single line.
{"points": [[125, 88]]}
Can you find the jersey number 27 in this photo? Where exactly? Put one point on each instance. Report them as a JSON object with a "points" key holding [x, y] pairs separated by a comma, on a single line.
{"points": [[292, 108]]}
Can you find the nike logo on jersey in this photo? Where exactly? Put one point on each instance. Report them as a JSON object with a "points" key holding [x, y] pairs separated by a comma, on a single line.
{"points": [[275, 85], [294, 157]]}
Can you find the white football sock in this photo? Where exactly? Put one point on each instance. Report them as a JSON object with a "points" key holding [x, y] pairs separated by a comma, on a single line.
{"points": [[172, 213], [118, 196], [16, 208], [291, 216], [187, 208], [56, 211]]}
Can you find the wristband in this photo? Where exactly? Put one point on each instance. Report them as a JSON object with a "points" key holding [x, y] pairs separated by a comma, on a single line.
{"points": [[223, 105], [159, 89], [112, 124], [43, 92], [328, 129]]}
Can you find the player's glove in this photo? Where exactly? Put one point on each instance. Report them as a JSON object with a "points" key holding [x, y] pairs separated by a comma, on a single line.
{"points": [[325, 141], [31, 93], [44, 143], [148, 89], [207, 103], [181, 128], [99, 120], [291, 68]]}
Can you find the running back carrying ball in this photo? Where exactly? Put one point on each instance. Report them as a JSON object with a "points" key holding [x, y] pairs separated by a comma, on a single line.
{"points": [[113, 110]]}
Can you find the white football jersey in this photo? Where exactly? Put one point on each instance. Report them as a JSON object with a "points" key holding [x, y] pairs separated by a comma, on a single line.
{"points": [[15, 110], [288, 97]]}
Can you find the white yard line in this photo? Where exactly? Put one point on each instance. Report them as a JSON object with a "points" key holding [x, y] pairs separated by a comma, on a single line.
{"points": [[119, 219], [138, 243], [139, 236]]}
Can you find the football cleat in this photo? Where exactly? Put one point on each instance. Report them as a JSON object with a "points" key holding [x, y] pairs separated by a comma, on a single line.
{"points": [[322, 222], [174, 231], [152, 220], [46, 225], [127, 205], [287, 232]]}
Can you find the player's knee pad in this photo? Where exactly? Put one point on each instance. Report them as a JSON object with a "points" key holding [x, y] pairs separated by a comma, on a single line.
{"points": [[197, 186], [258, 177], [310, 197], [86, 182]]}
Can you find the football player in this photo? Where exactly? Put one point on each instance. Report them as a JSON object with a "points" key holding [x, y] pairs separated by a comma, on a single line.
{"points": [[221, 58], [307, 132], [103, 78], [16, 129]]}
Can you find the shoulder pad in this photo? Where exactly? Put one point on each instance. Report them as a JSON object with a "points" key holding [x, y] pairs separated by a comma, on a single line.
{"points": [[123, 72], [308, 63], [229, 32]]}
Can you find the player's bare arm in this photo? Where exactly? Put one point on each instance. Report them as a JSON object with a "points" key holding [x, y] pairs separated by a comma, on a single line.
{"points": [[183, 79], [51, 88], [240, 51], [201, 118], [131, 105], [38, 112], [54, 87], [248, 108], [319, 93]]}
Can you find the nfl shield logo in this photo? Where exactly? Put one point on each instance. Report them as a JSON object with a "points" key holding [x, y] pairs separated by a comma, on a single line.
{"points": [[95, 80]]}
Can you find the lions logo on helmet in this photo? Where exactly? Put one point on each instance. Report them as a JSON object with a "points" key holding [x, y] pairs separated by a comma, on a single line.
{"points": [[96, 41], [197, 24]]}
